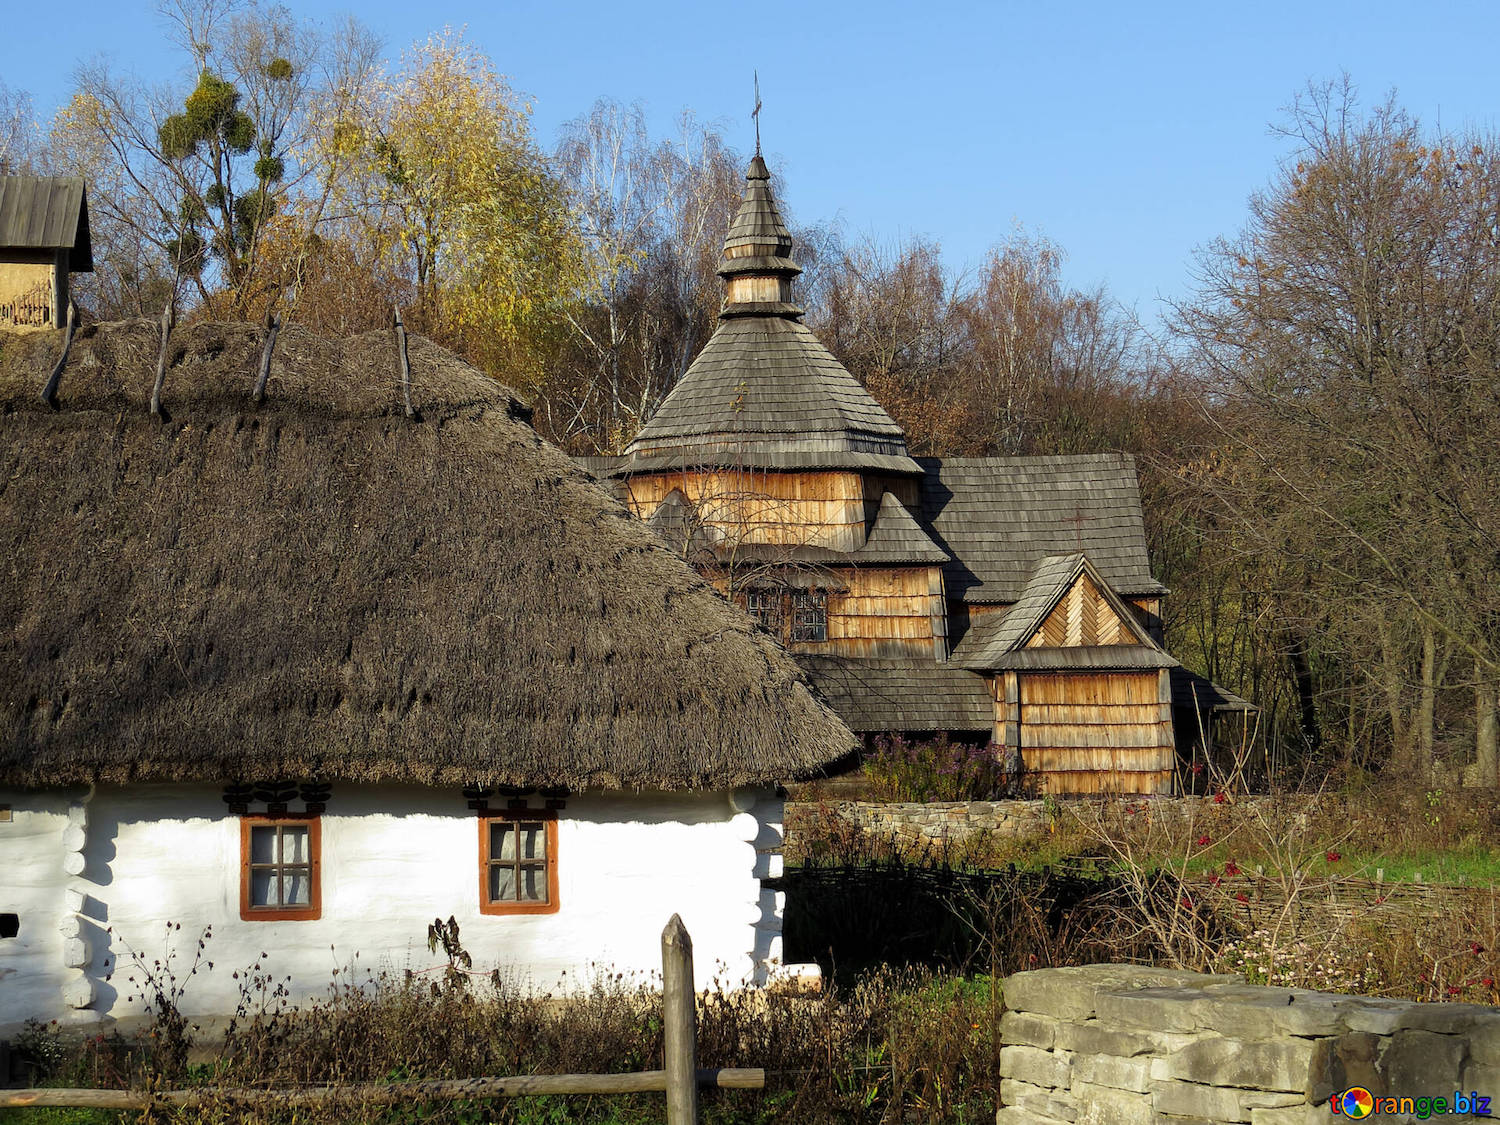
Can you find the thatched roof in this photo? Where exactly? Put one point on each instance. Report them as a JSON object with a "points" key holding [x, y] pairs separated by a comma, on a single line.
{"points": [[323, 587]]}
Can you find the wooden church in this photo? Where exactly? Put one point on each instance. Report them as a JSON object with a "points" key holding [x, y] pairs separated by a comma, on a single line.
{"points": [[997, 597]]}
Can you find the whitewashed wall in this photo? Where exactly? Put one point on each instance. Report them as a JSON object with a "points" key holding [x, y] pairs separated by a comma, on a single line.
{"points": [[33, 886], [393, 859]]}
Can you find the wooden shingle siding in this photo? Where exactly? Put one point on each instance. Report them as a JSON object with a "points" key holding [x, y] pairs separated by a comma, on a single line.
{"points": [[1083, 617], [1091, 732], [749, 507], [882, 613]]}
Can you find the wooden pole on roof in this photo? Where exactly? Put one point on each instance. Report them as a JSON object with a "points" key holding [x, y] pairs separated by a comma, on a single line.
{"points": [[168, 317], [405, 361], [680, 1023], [49, 391], [273, 326]]}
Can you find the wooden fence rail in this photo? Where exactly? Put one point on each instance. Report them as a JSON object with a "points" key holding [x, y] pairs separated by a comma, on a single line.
{"points": [[679, 1080]]}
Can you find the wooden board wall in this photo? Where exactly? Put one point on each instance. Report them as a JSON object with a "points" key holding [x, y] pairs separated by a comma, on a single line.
{"points": [[895, 612], [817, 509], [1089, 732]]}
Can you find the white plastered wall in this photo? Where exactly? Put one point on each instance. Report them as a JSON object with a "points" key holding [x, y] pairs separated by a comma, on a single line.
{"points": [[34, 887], [393, 859]]}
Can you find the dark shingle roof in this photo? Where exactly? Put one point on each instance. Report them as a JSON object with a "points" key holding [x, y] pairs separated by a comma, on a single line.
{"points": [[897, 538], [47, 213], [998, 517], [764, 392], [1190, 690], [765, 385], [892, 694], [1083, 656], [758, 241]]}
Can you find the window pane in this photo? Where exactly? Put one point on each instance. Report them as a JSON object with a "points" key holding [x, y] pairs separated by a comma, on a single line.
{"points": [[263, 843], [534, 884], [262, 888], [502, 840], [533, 841], [294, 844], [502, 883], [296, 888]]}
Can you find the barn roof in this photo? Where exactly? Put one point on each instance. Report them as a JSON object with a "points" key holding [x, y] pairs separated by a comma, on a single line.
{"points": [[899, 694], [47, 213], [998, 517], [764, 392], [321, 586]]}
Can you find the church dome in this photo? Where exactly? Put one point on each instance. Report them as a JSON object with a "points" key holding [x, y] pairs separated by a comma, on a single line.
{"points": [[764, 392]]}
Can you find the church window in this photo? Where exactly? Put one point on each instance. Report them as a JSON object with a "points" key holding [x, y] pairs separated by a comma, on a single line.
{"points": [[280, 868], [810, 616], [765, 607]]}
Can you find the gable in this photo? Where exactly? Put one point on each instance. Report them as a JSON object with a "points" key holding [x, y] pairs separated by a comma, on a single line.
{"points": [[1083, 616]]}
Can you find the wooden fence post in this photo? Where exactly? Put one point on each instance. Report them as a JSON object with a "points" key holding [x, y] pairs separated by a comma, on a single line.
{"points": [[680, 1022]]}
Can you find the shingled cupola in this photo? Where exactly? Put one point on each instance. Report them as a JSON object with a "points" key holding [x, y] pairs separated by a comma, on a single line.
{"points": [[764, 393], [758, 268]]}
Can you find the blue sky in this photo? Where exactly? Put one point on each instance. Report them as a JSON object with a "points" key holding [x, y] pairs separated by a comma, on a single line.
{"points": [[1128, 134]]}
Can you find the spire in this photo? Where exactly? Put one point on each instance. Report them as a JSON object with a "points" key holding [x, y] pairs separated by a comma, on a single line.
{"points": [[757, 263], [755, 113]]}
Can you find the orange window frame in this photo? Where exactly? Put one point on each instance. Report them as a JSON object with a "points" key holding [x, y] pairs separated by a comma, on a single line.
{"points": [[548, 819], [314, 907]]}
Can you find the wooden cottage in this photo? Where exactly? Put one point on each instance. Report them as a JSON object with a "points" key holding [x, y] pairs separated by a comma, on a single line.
{"points": [[44, 237], [1004, 598], [314, 672]]}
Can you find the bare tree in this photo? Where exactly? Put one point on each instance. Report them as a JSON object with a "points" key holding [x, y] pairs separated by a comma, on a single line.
{"points": [[18, 131], [1349, 338]]}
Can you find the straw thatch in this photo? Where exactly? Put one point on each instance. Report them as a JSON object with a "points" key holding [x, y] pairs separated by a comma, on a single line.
{"points": [[323, 587]]}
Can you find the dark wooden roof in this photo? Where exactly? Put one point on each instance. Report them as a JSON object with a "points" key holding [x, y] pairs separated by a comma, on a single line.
{"points": [[897, 537], [764, 392], [999, 517], [46, 213], [1192, 691], [758, 241], [893, 694]]}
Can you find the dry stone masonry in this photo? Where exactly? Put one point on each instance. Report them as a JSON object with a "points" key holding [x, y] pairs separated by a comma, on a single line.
{"points": [[1133, 1045]]}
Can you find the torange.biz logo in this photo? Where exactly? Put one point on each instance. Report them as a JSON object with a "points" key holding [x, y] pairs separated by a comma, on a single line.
{"points": [[1359, 1102]]}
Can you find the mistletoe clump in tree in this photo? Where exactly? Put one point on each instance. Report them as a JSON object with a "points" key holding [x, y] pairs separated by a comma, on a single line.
{"points": [[207, 143]]}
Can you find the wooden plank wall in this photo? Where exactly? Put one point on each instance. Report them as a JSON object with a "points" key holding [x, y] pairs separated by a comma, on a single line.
{"points": [[896, 612], [817, 509], [1089, 732], [1083, 617]]}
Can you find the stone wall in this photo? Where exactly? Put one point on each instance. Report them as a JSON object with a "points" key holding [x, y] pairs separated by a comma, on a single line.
{"points": [[1130, 1045], [943, 820]]}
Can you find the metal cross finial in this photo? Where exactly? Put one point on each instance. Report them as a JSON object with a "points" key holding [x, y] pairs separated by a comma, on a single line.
{"points": [[755, 114]]}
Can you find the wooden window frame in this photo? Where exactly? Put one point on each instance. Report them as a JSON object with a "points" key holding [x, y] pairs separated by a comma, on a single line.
{"points": [[809, 612], [765, 608], [548, 819], [314, 908]]}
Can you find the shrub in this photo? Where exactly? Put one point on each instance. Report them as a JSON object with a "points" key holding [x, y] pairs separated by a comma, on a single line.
{"points": [[939, 770]]}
